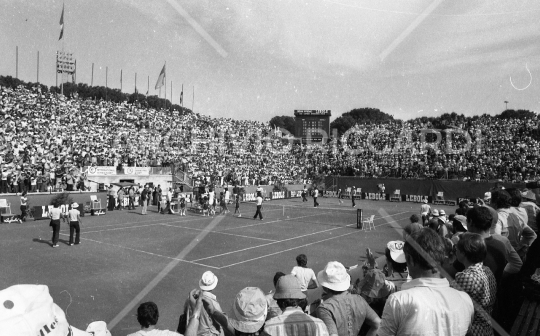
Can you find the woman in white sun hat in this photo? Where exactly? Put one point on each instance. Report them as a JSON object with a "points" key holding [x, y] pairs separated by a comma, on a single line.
{"points": [[248, 313], [342, 312], [207, 326]]}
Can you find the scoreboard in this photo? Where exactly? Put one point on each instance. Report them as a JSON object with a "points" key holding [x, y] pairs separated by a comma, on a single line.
{"points": [[312, 124]]}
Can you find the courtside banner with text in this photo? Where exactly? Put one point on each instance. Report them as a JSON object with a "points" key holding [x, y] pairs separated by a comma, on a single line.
{"points": [[101, 171], [137, 170]]}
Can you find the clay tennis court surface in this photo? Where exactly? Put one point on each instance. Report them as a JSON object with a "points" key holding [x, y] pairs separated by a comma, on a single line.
{"points": [[128, 258]]}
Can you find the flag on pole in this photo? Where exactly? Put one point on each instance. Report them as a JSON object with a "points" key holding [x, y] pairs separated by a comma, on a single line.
{"points": [[61, 24], [161, 79], [182, 96]]}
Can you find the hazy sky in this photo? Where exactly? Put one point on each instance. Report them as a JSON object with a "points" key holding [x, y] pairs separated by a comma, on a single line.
{"points": [[257, 59]]}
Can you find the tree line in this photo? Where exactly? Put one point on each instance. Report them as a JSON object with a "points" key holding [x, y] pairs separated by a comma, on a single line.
{"points": [[84, 91]]}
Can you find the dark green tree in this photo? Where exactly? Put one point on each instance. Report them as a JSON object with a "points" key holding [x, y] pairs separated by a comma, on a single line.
{"points": [[285, 122]]}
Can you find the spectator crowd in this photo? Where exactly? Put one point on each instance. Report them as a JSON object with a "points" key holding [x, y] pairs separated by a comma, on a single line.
{"points": [[47, 140]]}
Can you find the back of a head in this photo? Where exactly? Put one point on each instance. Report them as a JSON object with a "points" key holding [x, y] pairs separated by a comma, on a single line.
{"points": [[472, 246], [277, 276], [479, 219], [301, 260], [515, 196], [426, 249], [501, 199], [147, 314], [414, 219]]}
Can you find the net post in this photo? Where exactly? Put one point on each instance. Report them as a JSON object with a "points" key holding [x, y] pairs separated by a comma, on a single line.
{"points": [[359, 219]]}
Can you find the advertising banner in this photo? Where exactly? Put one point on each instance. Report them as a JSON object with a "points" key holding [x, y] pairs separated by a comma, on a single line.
{"points": [[101, 171], [137, 170]]}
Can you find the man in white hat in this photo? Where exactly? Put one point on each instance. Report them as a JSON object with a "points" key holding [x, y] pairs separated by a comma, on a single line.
{"points": [[426, 305], [293, 321], [425, 210], [342, 312], [248, 313], [29, 310], [74, 217], [207, 326]]}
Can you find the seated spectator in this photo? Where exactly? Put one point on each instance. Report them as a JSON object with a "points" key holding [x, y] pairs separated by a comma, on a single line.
{"points": [[273, 308], [437, 224], [305, 275], [148, 316], [476, 280], [463, 208], [248, 313], [532, 209], [207, 326], [426, 305], [342, 312], [523, 230], [521, 236], [459, 226], [377, 285], [293, 321]]}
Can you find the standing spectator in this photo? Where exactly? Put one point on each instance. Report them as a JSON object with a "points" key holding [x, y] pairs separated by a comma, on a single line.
{"points": [[121, 195], [74, 217], [3, 181], [425, 210], [55, 214], [24, 206], [131, 195], [532, 209], [237, 205], [476, 280], [259, 207], [306, 277], [304, 193], [112, 198], [144, 199], [293, 321], [182, 201], [343, 313], [426, 305]]}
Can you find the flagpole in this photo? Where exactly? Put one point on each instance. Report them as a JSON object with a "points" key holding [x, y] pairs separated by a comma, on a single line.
{"points": [[135, 83], [193, 102], [92, 80], [106, 83], [171, 96], [148, 90], [120, 80], [182, 96], [165, 78], [37, 72]]}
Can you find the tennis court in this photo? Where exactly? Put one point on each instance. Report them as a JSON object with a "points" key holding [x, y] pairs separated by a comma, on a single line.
{"points": [[126, 258]]}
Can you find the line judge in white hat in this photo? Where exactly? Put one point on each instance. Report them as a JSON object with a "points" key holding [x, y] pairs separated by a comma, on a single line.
{"points": [[338, 303]]}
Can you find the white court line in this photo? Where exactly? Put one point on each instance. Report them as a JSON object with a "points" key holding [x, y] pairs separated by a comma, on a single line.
{"points": [[145, 252], [268, 222], [219, 232], [137, 226], [284, 240], [297, 247]]}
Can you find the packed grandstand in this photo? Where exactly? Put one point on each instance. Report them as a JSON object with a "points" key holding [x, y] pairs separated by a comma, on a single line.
{"points": [[45, 137]]}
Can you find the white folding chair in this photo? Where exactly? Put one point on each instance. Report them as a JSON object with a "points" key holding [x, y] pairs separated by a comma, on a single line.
{"points": [[5, 207], [368, 223], [95, 201], [348, 192]]}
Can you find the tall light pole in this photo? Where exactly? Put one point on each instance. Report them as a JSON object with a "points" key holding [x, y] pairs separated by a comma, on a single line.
{"points": [[506, 103]]}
